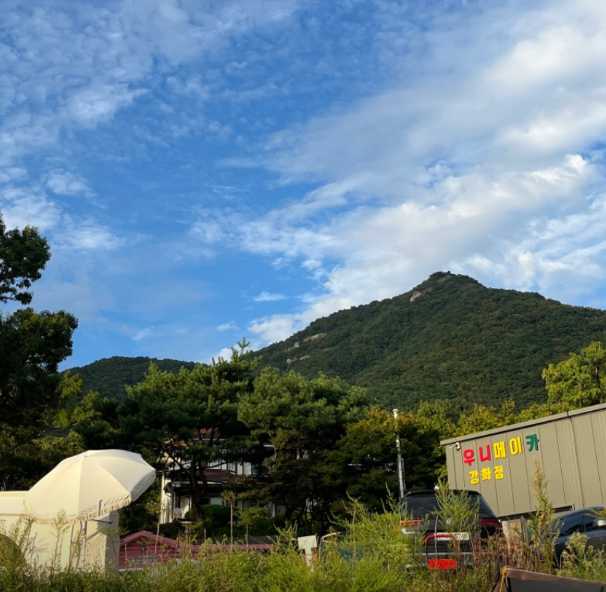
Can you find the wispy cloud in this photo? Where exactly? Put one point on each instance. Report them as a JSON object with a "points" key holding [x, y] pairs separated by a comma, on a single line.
{"points": [[470, 170], [142, 334], [87, 235], [276, 327], [229, 326], [63, 182], [351, 148], [269, 297]]}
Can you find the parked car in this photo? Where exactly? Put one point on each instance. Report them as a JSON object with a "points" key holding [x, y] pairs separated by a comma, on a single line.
{"points": [[444, 548], [589, 521]]}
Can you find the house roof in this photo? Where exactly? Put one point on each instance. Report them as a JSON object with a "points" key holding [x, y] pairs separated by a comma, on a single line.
{"points": [[153, 539], [146, 535], [524, 424]]}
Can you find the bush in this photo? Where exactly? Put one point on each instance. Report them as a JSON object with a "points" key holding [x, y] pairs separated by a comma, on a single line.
{"points": [[368, 555]]}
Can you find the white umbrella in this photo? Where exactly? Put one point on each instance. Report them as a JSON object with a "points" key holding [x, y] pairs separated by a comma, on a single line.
{"points": [[90, 485]]}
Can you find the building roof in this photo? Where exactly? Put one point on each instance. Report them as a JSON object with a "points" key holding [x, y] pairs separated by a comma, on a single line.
{"points": [[145, 536], [524, 424]]}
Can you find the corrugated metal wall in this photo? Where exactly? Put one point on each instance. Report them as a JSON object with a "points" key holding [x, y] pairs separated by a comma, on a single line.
{"points": [[569, 448]]}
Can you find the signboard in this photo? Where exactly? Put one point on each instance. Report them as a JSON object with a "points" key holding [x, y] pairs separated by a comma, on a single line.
{"points": [[490, 457], [501, 463]]}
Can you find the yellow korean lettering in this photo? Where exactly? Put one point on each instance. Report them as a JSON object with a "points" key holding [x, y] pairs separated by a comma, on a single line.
{"points": [[515, 445], [486, 474], [474, 477], [499, 449], [498, 472]]}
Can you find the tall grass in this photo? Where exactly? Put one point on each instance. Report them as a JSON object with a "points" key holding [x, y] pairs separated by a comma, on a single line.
{"points": [[370, 554]]}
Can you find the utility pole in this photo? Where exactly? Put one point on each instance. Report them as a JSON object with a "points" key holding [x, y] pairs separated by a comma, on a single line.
{"points": [[401, 481]]}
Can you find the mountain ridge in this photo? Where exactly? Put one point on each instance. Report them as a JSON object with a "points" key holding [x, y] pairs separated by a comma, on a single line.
{"points": [[110, 376], [448, 337]]}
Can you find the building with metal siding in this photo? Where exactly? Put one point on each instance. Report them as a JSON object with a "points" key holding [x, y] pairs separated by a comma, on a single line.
{"points": [[569, 448]]}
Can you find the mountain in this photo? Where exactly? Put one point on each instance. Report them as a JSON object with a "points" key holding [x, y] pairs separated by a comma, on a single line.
{"points": [[450, 337], [109, 376]]}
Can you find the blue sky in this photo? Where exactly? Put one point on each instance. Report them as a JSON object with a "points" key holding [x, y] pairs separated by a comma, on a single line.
{"points": [[211, 169]]}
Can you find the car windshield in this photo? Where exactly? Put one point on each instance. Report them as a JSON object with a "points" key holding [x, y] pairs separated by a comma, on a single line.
{"points": [[419, 505], [578, 521]]}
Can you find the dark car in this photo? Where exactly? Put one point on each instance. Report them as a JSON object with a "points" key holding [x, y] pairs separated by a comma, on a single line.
{"points": [[443, 548], [589, 521]]}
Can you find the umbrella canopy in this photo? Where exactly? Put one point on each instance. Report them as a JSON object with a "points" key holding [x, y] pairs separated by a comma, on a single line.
{"points": [[90, 485]]}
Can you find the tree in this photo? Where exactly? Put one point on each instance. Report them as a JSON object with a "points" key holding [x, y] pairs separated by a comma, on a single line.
{"points": [[482, 417], [302, 420], [439, 416], [368, 455], [32, 345], [23, 255], [253, 517], [188, 420], [93, 418], [579, 380]]}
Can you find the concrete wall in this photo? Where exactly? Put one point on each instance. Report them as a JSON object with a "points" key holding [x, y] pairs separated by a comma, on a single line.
{"points": [[569, 448]]}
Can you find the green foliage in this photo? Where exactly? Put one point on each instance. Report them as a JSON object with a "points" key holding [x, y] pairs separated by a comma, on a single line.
{"points": [[303, 420], [583, 561], [438, 415], [32, 345], [458, 511], [579, 380], [369, 555], [111, 376], [256, 520], [483, 417], [188, 420], [540, 527], [23, 255], [367, 455], [448, 338], [142, 515], [378, 535]]}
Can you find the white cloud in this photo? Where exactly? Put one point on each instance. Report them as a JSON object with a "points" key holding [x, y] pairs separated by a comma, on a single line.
{"points": [[70, 65], [28, 206], [208, 231], [142, 334], [276, 327], [229, 326], [491, 171], [225, 353], [87, 236], [65, 183], [93, 105], [269, 297], [67, 67], [10, 174]]}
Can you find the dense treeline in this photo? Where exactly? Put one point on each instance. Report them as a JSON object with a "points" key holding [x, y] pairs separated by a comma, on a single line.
{"points": [[110, 376], [317, 442]]}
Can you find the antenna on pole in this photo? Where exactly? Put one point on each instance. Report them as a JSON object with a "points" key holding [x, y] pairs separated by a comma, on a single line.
{"points": [[400, 461]]}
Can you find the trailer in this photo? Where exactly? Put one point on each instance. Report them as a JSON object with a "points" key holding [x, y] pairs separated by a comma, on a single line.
{"points": [[568, 448]]}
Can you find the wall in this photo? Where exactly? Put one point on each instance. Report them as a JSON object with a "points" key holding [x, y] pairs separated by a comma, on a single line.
{"points": [[569, 448]]}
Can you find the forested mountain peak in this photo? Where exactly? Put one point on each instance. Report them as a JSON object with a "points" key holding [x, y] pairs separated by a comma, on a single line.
{"points": [[448, 337]]}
